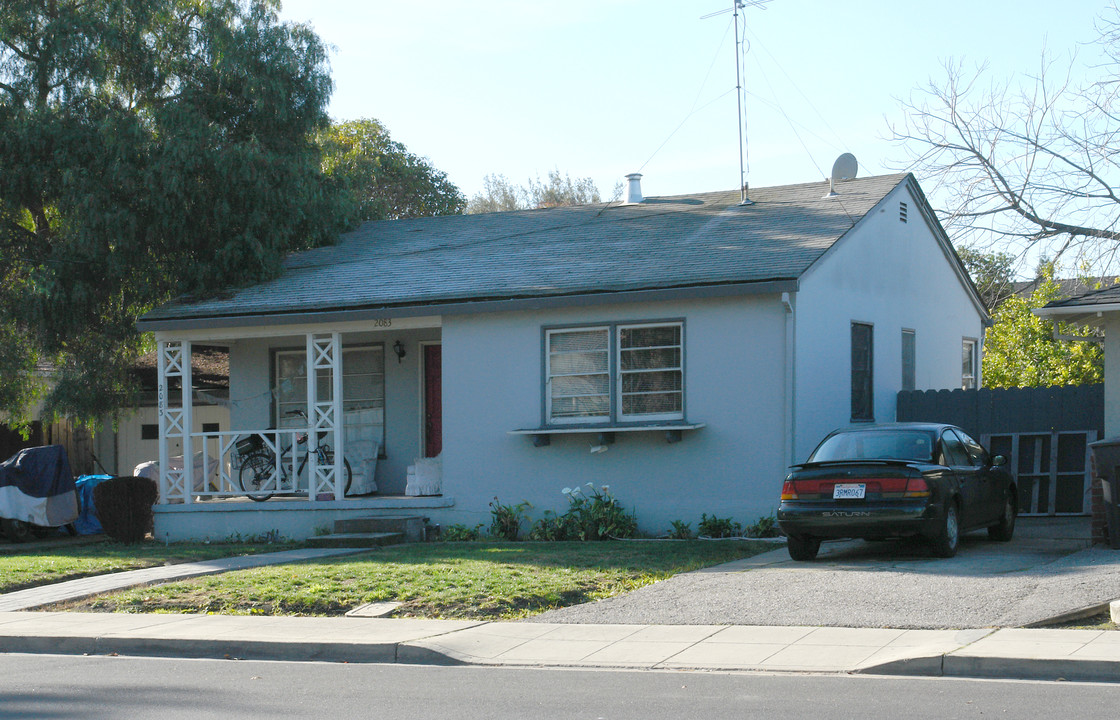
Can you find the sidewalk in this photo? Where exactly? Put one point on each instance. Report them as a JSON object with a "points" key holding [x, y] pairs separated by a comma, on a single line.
{"points": [[1077, 655], [1083, 655]]}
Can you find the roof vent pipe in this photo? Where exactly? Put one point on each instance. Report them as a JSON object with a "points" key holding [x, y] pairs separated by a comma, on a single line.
{"points": [[633, 189]]}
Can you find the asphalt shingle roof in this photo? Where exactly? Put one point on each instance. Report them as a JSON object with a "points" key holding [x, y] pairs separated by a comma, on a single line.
{"points": [[1105, 296], [664, 242]]}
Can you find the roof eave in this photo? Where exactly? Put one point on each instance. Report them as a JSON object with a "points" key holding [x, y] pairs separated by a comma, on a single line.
{"points": [[464, 307], [1078, 314]]}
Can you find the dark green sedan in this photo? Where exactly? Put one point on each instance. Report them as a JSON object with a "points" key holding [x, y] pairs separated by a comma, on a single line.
{"points": [[897, 480]]}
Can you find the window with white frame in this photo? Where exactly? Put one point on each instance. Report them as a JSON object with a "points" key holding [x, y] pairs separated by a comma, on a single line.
{"points": [[650, 375], [363, 389], [578, 371], [968, 364], [625, 373]]}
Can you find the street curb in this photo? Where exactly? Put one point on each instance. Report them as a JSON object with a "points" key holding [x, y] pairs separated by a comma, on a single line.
{"points": [[924, 666], [1001, 668], [341, 652]]}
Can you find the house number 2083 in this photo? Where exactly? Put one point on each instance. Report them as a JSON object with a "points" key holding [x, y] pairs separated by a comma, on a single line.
{"points": [[384, 323]]}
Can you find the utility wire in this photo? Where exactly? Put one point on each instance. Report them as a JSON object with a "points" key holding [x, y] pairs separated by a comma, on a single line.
{"points": [[693, 110]]}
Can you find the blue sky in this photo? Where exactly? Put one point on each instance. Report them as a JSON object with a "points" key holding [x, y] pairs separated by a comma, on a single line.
{"points": [[600, 88]]}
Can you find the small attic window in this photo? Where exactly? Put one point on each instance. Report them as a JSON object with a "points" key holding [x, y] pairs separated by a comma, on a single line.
{"points": [[902, 212]]}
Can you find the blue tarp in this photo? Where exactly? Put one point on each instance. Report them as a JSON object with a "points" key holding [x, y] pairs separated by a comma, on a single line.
{"points": [[36, 487], [88, 523]]}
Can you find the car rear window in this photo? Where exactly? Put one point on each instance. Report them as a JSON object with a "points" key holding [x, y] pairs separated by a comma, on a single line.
{"points": [[875, 445]]}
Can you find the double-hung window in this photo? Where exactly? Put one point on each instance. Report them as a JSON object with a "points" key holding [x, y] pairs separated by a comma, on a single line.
{"points": [[614, 373]]}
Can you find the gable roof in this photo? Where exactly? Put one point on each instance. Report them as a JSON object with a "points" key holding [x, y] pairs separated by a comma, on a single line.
{"points": [[430, 265]]}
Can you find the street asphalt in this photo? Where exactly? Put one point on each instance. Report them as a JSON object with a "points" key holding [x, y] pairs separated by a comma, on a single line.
{"points": [[875, 608]]}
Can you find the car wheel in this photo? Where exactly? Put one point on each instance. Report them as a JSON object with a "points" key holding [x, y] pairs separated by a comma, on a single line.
{"points": [[948, 537], [1005, 528], [802, 548], [17, 530]]}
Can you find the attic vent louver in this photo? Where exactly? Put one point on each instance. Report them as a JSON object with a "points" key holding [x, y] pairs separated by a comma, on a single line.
{"points": [[633, 189], [902, 212]]}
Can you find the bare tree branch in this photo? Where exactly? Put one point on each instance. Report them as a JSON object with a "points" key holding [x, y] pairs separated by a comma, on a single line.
{"points": [[1031, 165]]}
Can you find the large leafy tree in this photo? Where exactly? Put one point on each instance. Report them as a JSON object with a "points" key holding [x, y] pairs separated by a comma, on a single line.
{"points": [[1029, 166], [991, 272], [148, 149], [382, 178], [1020, 349]]}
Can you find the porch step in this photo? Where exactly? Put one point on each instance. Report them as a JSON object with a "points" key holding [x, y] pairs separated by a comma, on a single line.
{"points": [[357, 539], [410, 526]]}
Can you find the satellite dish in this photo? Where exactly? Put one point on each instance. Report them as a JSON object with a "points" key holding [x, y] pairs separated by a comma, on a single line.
{"points": [[844, 168]]}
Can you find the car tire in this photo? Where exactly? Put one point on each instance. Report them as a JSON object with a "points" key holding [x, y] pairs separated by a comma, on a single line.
{"points": [[802, 548], [1003, 530], [948, 537]]}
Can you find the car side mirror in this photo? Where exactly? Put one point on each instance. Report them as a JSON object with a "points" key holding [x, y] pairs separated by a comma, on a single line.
{"points": [[999, 460]]}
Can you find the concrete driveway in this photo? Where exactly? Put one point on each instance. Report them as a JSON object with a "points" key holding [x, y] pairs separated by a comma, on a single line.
{"points": [[1047, 570]]}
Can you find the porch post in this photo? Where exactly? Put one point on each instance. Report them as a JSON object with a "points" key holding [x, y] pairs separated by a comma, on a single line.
{"points": [[174, 360], [324, 355]]}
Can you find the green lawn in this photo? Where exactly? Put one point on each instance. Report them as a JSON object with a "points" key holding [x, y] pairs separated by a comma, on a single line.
{"points": [[473, 580], [28, 568]]}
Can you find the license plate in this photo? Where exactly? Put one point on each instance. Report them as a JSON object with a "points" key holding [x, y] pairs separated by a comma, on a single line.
{"points": [[849, 491]]}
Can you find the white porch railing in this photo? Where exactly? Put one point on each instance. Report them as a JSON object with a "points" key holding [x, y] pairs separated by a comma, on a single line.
{"points": [[220, 471]]}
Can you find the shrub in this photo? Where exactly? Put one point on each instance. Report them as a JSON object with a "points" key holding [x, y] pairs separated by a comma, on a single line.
{"points": [[764, 528], [595, 514], [124, 507], [681, 531], [506, 523], [716, 527], [460, 533], [553, 527]]}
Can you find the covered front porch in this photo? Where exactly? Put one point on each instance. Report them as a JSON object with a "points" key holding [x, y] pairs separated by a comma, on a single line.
{"points": [[325, 421]]}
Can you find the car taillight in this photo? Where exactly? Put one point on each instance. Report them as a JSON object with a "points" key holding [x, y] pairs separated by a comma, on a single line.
{"points": [[917, 488], [789, 492]]}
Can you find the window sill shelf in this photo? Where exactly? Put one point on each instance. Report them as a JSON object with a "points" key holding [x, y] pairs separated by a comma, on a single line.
{"points": [[542, 436]]}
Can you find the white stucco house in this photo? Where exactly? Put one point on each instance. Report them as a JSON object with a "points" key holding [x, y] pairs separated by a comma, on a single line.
{"points": [[683, 350]]}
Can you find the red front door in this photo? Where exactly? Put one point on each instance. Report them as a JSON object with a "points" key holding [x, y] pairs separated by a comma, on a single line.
{"points": [[433, 404]]}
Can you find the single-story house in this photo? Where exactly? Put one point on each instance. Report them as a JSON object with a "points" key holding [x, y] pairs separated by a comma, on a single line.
{"points": [[682, 350]]}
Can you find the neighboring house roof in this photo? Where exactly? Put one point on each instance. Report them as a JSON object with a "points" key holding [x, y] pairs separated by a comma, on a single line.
{"points": [[430, 265], [209, 369], [1086, 307], [1067, 288]]}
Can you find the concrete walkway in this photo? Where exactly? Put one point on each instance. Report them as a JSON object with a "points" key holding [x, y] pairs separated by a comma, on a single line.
{"points": [[1076, 655], [1086, 655]]}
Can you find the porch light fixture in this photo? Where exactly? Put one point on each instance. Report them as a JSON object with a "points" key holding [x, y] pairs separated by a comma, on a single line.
{"points": [[398, 348]]}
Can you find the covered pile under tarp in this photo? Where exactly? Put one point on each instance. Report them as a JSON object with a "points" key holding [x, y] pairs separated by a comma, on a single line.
{"points": [[36, 487]]}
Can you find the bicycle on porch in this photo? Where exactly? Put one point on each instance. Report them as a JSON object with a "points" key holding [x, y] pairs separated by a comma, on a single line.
{"points": [[259, 466]]}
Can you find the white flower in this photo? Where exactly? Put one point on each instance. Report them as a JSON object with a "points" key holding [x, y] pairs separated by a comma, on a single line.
{"points": [[566, 491]]}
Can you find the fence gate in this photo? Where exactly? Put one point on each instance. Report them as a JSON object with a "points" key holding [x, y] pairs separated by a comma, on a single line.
{"points": [[1051, 469], [1043, 432]]}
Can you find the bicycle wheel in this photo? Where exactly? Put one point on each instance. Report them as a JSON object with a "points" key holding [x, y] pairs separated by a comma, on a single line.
{"points": [[256, 471], [328, 456]]}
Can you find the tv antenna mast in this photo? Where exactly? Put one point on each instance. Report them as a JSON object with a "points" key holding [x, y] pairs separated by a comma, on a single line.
{"points": [[736, 6]]}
